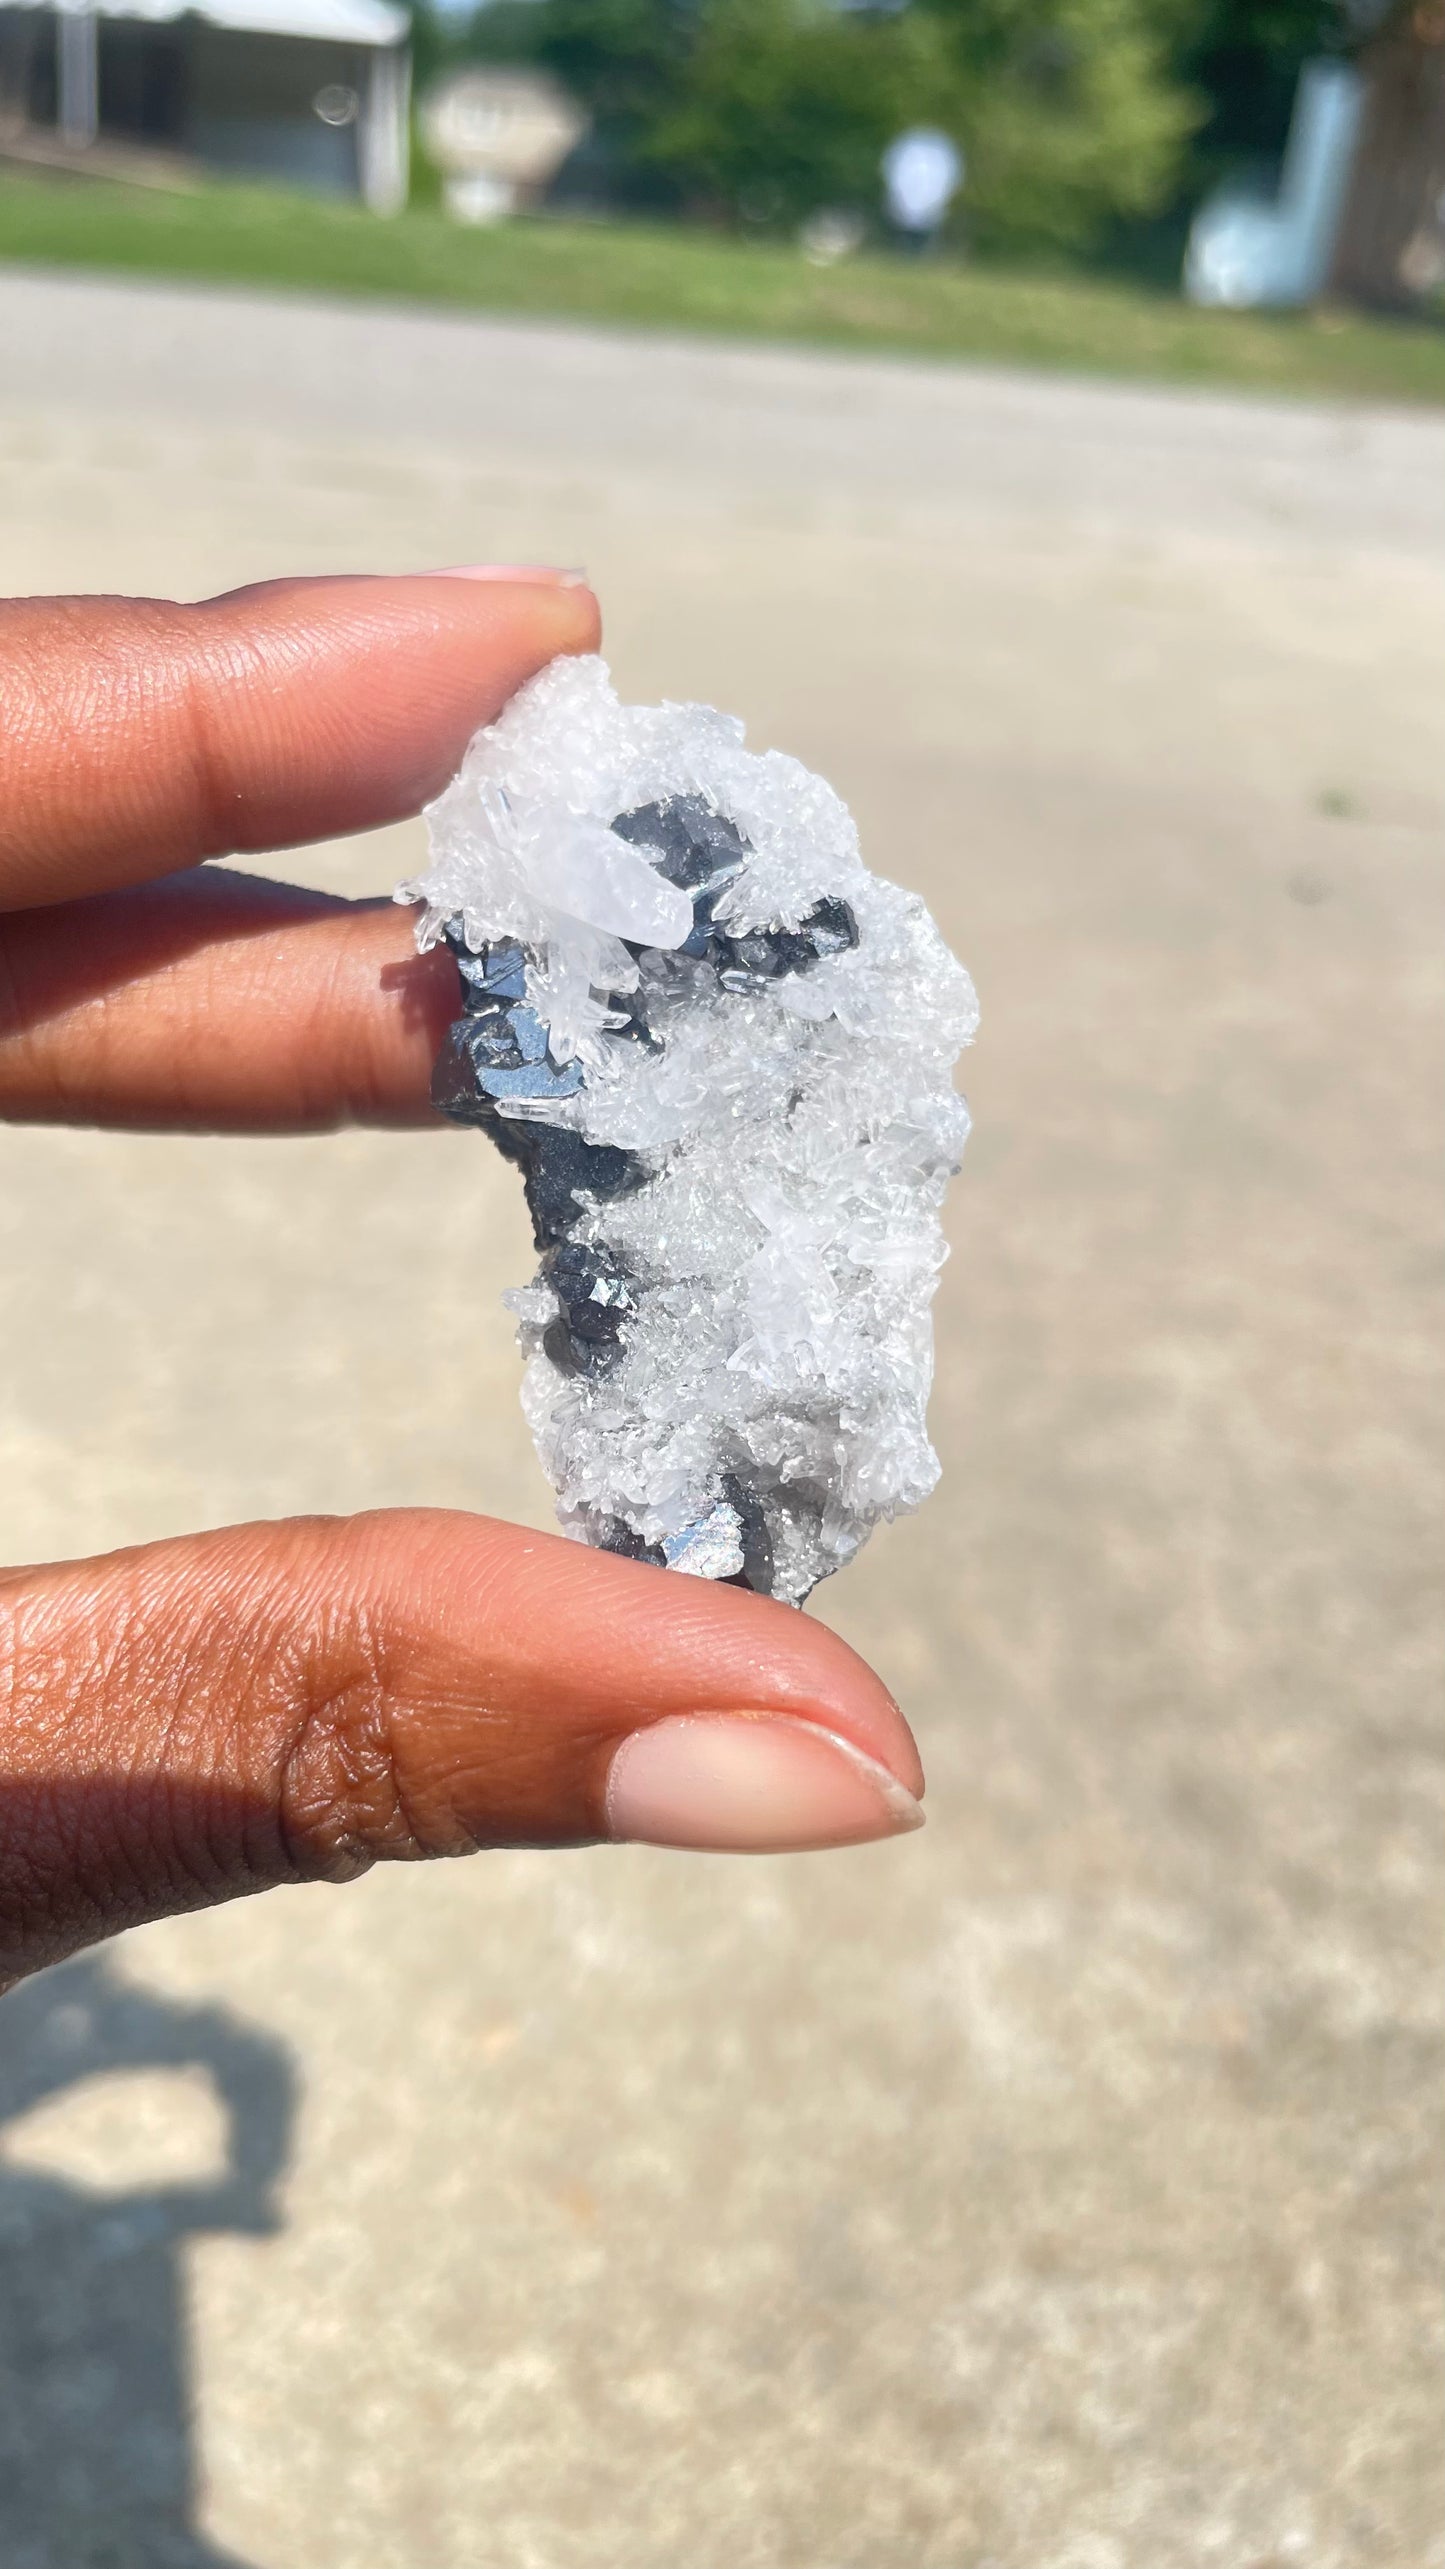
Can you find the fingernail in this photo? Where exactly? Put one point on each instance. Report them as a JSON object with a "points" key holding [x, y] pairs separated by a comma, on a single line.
{"points": [[536, 575], [751, 1784]]}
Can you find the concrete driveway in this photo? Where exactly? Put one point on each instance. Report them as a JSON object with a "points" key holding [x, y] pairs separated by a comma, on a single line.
{"points": [[1052, 2191]]}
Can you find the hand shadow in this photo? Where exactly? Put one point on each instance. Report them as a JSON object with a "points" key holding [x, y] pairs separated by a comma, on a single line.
{"points": [[97, 2462]]}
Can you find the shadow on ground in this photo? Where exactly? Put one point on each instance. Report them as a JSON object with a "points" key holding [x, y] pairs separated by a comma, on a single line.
{"points": [[97, 2461]]}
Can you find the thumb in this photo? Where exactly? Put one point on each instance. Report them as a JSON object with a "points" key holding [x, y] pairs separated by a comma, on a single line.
{"points": [[189, 1721]]}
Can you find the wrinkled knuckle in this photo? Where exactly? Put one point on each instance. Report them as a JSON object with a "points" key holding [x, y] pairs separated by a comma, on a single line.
{"points": [[343, 1805]]}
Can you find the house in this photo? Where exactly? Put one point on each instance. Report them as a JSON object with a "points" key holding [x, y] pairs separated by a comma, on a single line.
{"points": [[310, 93]]}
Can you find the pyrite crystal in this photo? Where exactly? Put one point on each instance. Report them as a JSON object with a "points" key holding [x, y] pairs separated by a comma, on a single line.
{"points": [[720, 1053]]}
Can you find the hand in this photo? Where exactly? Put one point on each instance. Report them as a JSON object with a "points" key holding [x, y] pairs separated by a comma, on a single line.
{"points": [[187, 1721]]}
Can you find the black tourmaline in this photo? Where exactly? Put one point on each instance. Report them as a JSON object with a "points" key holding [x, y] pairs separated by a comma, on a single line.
{"points": [[495, 1057]]}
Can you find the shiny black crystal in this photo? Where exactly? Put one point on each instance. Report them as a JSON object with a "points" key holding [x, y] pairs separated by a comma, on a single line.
{"points": [[614, 1534], [572, 1354], [693, 846], [558, 1168], [594, 1288], [767, 954], [496, 1054], [598, 1298], [501, 1054], [494, 973]]}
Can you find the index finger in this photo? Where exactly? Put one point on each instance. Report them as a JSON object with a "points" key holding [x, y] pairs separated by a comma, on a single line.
{"points": [[140, 736]]}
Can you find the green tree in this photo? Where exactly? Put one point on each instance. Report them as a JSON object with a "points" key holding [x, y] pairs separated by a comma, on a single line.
{"points": [[786, 105], [1244, 59], [1071, 112]]}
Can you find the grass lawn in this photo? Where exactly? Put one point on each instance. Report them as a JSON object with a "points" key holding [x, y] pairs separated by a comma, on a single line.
{"points": [[652, 276]]}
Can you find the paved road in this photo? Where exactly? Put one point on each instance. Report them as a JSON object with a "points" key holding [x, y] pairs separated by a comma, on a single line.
{"points": [[1049, 2192]]}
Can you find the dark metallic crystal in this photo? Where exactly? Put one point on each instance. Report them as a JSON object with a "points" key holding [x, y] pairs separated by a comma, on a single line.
{"points": [[573, 1354], [614, 1534], [496, 1053], [492, 1057], [593, 1287], [598, 1297], [695, 847], [559, 1170], [767, 954], [495, 972]]}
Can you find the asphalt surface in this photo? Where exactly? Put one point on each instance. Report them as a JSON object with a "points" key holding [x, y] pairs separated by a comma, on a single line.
{"points": [[1050, 2191]]}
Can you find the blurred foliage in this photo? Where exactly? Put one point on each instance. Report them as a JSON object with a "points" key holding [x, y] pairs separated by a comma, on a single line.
{"points": [[786, 107], [1077, 117], [1243, 58], [1070, 112]]}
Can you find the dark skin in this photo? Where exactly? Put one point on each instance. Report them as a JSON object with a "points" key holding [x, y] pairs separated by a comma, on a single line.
{"points": [[187, 1721]]}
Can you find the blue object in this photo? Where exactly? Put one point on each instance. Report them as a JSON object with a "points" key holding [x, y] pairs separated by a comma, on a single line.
{"points": [[1246, 248]]}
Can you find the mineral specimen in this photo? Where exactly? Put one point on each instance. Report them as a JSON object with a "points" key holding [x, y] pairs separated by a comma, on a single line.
{"points": [[719, 1051]]}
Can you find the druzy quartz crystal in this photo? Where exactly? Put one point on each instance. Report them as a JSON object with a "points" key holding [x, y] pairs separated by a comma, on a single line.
{"points": [[719, 1051]]}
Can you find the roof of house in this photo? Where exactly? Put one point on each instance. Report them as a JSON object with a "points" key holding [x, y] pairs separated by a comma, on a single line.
{"points": [[343, 22]]}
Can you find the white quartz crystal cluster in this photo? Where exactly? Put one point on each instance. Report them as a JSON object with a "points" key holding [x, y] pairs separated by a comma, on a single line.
{"points": [[720, 1050]]}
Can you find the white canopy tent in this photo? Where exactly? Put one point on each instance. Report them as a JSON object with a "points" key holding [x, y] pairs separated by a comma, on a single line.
{"points": [[315, 91]]}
